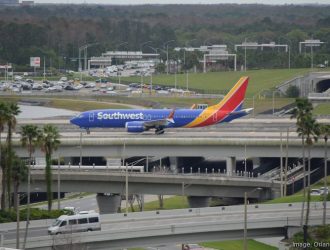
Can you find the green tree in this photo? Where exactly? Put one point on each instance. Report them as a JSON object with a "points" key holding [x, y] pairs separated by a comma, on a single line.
{"points": [[3, 121], [12, 111], [49, 142], [292, 91], [325, 132], [308, 130], [302, 108], [312, 132], [19, 174], [30, 135]]}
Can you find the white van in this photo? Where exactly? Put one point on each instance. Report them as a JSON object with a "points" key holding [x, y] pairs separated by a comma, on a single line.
{"points": [[82, 222]]}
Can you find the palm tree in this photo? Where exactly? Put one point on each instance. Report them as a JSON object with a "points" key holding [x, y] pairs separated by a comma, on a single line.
{"points": [[325, 132], [30, 135], [49, 141], [19, 174], [10, 117], [303, 107], [312, 132], [308, 130], [3, 121]]}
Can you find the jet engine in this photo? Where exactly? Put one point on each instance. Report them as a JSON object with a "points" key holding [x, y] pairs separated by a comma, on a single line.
{"points": [[135, 127]]}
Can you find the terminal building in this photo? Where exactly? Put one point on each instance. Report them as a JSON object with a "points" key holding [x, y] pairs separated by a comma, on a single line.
{"points": [[212, 54], [110, 57]]}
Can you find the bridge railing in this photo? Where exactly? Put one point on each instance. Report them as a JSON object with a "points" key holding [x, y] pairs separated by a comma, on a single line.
{"points": [[154, 171]]}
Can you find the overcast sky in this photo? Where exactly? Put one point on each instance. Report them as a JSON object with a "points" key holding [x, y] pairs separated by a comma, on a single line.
{"points": [[184, 1]]}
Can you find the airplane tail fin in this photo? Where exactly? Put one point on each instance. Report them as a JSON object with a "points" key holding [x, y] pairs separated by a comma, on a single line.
{"points": [[233, 101]]}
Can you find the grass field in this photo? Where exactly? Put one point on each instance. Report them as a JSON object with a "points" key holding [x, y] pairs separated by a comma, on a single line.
{"points": [[230, 245], [71, 104], [223, 81], [322, 109], [175, 202], [298, 197], [237, 244]]}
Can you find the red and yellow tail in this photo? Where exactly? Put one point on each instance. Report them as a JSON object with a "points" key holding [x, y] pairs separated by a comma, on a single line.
{"points": [[233, 101]]}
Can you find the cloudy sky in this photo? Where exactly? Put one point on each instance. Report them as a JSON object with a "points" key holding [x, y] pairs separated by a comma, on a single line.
{"points": [[184, 1]]}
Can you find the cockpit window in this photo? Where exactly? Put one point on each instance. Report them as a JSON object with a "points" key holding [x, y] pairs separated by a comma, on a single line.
{"points": [[81, 115]]}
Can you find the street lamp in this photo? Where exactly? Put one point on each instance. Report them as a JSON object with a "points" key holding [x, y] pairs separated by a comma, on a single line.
{"points": [[58, 184], [166, 44], [245, 55], [184, 51], [84, 48], [143, 44], [184, 54], [123, 43], [289, 50], [245, 247]]}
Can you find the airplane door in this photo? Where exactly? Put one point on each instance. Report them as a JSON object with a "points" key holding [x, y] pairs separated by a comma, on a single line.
{"points": [[91, 116]]}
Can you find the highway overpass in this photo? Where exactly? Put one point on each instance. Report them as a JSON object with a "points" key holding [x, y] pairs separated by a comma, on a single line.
{"points": [[198, 187], [177, 144], [145, 229], [154, 183]]}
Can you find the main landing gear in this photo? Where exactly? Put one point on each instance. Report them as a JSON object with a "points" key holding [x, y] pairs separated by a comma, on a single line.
{"points": [[159, 131]]}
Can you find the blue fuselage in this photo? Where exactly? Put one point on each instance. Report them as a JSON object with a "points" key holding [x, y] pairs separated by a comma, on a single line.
{"points": [[115, 118]]}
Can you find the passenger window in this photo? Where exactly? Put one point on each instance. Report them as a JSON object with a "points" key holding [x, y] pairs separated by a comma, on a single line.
{"points": [[63, 223], [93, 219], [82, 221], [72, 222]]}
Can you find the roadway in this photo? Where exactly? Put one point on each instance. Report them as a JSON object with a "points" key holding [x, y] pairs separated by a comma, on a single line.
{"points": [[175, 226]]}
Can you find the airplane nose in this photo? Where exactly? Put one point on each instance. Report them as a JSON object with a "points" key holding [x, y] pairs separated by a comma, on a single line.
{"points": [[73, 120]]}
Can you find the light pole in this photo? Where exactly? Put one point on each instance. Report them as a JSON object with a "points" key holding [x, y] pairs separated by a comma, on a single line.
{"points": [[123, 43], [58, 184], [273, 101], [184, 53], [80, 148], [245, 247], [166, 44], [84, 48], [245, 167], [289, 49], [143, 44], [245, 55], [281, 164]]}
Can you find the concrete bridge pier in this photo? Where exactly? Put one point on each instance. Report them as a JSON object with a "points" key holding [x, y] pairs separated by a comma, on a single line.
{"points": [[231, 165], [199, 201], [174, 164], [108, 203]]}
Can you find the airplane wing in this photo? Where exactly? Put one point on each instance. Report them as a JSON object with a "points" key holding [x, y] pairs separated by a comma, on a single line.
{"points": [[193, 106], [160, 122], [245, 111]]}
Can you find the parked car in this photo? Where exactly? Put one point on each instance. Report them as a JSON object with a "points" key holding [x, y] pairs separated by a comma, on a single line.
{"points": [[315, 192]]}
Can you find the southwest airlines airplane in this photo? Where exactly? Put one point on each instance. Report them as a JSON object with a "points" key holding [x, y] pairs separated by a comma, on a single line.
{"points": [[139, 120]]}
